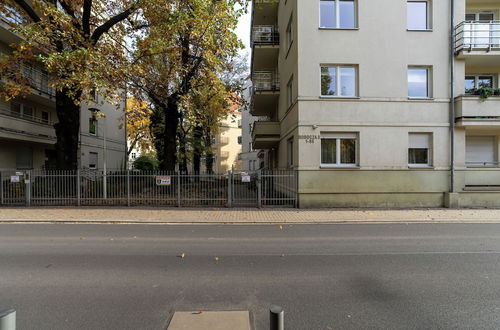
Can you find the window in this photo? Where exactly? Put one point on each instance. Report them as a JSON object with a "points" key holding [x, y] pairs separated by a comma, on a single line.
{"points": [[339, 81], [239, 139], [289, 147], [418, 82], [28, 110], [45, 117], [337, 14], [289, 93], [338, 150], [24, 158], [15, 108], [418, 15], [134, 156], [93, 125], [93, 160], [239, 123], [480, 151], [419, 150], [289, 34], [472, 83]]}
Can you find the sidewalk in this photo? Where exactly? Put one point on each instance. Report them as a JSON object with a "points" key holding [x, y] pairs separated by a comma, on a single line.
{"points": [[244, 216]]}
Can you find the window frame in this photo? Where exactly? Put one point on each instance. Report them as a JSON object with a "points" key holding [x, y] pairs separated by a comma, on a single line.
{"points": [[428, 17], [289, 93], [289, 35], [428, 70], [494, 140], [477, 77], [338, 157], [337, 16], [290, 154], [338, 80], [93, 119], [96, 165], [430, 150]]}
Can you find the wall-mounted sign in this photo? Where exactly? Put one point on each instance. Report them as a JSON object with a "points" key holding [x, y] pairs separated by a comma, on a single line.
{"points": [[163, 180], [245, 177], [14, 178]]}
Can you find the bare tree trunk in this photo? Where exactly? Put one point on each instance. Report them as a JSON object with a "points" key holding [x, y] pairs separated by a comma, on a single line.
{"points": [[67, 130]]}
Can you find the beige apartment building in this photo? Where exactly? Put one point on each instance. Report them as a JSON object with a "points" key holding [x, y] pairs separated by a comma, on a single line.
{"points": [[377, 103], [27, 134]]}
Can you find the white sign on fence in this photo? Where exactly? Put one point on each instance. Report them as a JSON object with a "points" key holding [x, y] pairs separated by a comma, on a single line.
{"points": [[163, 180], [14, 178], [245, 177]]}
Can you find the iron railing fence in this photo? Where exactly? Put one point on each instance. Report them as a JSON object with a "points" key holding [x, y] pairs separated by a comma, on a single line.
{"points": [[147, 188], [265, 81], [477, 35], [265, 35]]}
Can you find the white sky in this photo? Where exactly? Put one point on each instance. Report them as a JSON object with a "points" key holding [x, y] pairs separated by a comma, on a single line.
{"points": [[243, 30]]}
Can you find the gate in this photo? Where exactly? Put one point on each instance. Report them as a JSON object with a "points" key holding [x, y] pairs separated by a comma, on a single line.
{"points": [[13, 188], [244, 189]]}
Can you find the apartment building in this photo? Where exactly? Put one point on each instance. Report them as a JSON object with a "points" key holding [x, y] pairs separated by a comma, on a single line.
{"points": [[378, 103], [27, 134]]}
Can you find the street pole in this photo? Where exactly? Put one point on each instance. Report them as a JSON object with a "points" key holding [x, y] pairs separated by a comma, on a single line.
{"points": [[105, 185], [277, 318]]}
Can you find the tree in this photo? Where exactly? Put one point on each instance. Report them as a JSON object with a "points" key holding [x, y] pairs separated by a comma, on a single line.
{"points": [[185, 40], [138, 119], [80, 43]]}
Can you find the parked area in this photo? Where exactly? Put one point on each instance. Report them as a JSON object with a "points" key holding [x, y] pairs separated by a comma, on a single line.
{"points": [[141, 188]]}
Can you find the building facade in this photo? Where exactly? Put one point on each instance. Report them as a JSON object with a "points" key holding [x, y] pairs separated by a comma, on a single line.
{"points": [[27, 134], [227, 145], [377, 110]]}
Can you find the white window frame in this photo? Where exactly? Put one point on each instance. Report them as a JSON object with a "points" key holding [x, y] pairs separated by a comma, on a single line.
{"points": [[428, 25], [429, 150], [289, 148], [339, 137], [94, 119], [289, 93], [476, 79], [429, 82], [338, 81], [482, 164], [289, 34], [337, 16], [94, 167]]}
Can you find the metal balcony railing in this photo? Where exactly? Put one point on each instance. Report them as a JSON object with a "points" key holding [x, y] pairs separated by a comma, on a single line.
{"points": [[39, 80], [11, 16], [477, 35], [265, 35], [265, 81], [10, 113]]}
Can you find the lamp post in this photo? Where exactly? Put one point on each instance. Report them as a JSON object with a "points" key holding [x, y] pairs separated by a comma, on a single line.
{"points": [[105, 175]]}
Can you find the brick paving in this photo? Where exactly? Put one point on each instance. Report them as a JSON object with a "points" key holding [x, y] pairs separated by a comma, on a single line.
{"points": [[244, 216]]}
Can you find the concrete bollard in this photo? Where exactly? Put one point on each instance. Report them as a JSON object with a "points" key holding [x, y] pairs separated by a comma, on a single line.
{"points": [[8, 319], [277, 318]]}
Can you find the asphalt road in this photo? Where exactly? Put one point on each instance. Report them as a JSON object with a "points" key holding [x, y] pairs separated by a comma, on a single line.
{"points": [[420, 276]]}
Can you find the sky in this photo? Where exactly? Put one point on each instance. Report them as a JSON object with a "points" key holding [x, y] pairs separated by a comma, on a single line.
{"points": [[243, 30]]}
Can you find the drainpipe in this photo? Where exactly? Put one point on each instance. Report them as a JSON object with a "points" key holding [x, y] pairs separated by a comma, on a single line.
{"points": [[452, 96]]}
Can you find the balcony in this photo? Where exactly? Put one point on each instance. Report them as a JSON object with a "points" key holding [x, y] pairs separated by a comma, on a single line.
{"points": [[265, 93], [472, 111], [10, 18], [478, 42], [265, 35], [16, 126], [265, 134], [39, 82]]}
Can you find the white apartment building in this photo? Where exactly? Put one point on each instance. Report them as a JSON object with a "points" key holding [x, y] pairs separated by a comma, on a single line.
{"points": [[376, 103], [27, 134]]}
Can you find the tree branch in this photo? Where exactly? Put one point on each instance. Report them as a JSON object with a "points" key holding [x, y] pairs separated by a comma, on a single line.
{"points": [[105, 27], [87, 6]]}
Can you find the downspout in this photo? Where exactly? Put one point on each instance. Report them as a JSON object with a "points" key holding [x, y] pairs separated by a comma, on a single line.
{"points": [[452, 96]]}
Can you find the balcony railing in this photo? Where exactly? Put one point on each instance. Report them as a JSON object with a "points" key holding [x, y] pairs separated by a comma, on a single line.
{"points": [[265, 35], [11, 16], [477, 35], [39, 80], [10, 113], [265, 81]]}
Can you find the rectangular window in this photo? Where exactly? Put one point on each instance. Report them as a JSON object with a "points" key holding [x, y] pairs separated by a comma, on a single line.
{"points": [[239, 139], [480, 151], [15, 108], [289, 93], [45, 117], [339, 150], [28, 110], [290, 152], [93, 125], [474, 82], [339, 81], [418, 15], [93, 156], [419, 150], [418, 82], [338, 14], [24, 158]]}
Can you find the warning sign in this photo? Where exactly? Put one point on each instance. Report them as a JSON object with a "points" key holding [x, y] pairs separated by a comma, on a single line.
{"points": [[163, 180], [245, 177]]}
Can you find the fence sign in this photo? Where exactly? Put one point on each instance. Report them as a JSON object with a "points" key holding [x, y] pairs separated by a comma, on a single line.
{"points": [[14, 179], [163, 180], [245, 177]]}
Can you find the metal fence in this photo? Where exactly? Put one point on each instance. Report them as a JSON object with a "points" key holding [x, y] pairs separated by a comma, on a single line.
{"points": [[147, 188]]}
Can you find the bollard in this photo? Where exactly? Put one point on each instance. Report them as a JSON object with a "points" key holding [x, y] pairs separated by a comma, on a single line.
{"points": [[277, 318], [8, 319]]}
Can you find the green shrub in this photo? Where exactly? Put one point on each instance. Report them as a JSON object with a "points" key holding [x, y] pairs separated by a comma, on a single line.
{"points": [[145, 163]]}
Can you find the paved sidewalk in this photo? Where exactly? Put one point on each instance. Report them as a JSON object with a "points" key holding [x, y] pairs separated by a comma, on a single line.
{"points": [[244, 216]]}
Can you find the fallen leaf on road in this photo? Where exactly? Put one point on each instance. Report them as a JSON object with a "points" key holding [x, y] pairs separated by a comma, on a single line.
{"points": [[182, 255], [216, 258], [82, 238], [48, 266], [198, 312], [281, 227]]}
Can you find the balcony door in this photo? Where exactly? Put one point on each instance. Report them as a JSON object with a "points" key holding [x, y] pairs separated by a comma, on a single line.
{"points": [[479, 32]]}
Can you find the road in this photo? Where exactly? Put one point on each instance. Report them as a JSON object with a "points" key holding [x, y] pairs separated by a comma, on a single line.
{"points": [[392, 276]]}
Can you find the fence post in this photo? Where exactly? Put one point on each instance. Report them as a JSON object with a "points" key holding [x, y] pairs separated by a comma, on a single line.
{"points": [[78, 197], [128, 187], [178, 189], [277, 318], [27, 187], [259, 190], [105, 184], [229, 188], [8, 320], [1, 188], [296, 178]]}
